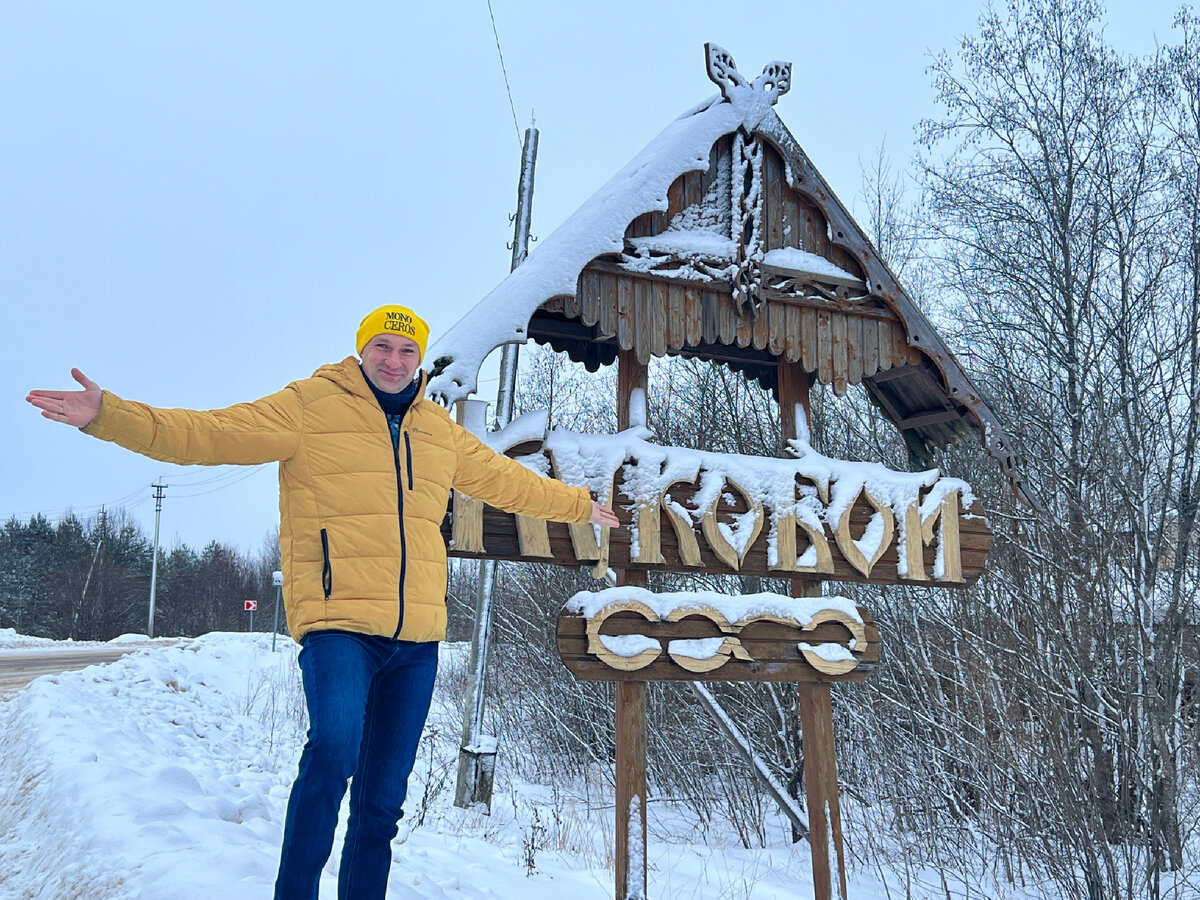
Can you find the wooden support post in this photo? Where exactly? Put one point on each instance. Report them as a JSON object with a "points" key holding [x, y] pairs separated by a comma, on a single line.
{"points": [[794, 385], [630, 843], [631, 375], [821, 791], [820, 776], [816, 701], [631, 791]]}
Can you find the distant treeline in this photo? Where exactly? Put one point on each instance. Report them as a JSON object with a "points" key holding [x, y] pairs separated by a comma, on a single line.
{"points": [[89, 580]]}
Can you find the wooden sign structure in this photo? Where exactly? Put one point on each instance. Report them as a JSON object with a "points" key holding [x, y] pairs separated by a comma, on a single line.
{"points": [[722, 242], [804, 518], [684, 510], [630, 634]]}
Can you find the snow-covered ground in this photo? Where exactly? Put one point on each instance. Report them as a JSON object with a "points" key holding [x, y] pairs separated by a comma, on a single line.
{"points": [[165, 776]]}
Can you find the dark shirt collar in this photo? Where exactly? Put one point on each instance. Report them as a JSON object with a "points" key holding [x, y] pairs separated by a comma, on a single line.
{"points": [[394, 404]]}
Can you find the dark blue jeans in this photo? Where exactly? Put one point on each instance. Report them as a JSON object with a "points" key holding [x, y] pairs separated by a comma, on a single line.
{"points": [[368, 698]]}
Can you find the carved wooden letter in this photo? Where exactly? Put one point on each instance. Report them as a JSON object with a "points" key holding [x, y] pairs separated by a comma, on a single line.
{"points": [[702, 664], [819, 545], [597, 647], [783, 528], [601, 568], [466, 531], [533, 536], [858, 636], [649, 534], [849, 546], [949, 542], [918, 534], [787, 559], [583, 534], [720, 544], [914, 544], [681, 523]]}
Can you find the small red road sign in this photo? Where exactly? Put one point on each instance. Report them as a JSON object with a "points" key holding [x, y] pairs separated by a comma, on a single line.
{"points": [[251, 605]]}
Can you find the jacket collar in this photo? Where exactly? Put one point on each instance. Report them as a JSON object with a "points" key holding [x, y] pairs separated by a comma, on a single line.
{"points": [[348, 375]]}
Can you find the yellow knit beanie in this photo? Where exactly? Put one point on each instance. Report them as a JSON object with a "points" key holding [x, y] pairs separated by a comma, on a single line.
{"points": [[399, 320]]}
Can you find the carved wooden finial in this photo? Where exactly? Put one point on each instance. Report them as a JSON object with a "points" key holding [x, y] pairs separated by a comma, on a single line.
{"points": [[722, 69], [773, 83]]}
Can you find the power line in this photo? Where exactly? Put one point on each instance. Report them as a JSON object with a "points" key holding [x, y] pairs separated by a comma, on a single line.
{"points": [[226, 477], [224, 473], [242, 476], [507, 87]]}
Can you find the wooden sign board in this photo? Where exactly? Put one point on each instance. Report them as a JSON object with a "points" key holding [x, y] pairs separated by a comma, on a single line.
{"points": [[628, 640], [942, 545]]}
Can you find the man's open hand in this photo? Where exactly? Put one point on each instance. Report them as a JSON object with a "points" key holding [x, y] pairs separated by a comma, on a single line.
{"points": [[76, 408], [603, 516]]}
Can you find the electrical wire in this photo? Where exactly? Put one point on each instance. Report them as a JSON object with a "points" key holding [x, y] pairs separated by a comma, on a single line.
{"points": [[140, 496], [242, 476], [507, 87], [227, 474]]}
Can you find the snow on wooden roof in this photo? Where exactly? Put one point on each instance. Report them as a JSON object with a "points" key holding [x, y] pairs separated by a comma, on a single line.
{"points": [[596, 228], [723, 274]]}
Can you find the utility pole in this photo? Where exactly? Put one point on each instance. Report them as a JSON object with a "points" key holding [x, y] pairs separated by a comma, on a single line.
{"points": [[87, 581], [159, 490], [477, 756]]}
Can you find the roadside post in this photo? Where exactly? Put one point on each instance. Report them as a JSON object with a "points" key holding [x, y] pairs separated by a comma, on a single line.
{"points": [[277, 580], [251, 606]]}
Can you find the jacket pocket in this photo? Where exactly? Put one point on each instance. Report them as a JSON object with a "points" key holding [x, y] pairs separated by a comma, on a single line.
{"points": [[326, 568], [408, 460]]}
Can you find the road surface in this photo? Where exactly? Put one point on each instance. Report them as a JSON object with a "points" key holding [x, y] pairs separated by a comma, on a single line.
{"points": [[20, 666]]}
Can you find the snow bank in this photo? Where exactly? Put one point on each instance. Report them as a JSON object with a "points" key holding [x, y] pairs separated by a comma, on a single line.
{"points": [[165, 775], [159, 775]]}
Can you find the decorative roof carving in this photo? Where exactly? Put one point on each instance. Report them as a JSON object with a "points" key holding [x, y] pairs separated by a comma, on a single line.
{"points": [[718, 245], [773, 83]]}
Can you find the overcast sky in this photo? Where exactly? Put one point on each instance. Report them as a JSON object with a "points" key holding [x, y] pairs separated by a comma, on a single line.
{"points": [[198, 202]]}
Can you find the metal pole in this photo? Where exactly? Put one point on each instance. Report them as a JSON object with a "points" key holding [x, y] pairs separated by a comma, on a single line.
{"points": [[520, 250], [477, 756], [159, 488], [277, 580]]}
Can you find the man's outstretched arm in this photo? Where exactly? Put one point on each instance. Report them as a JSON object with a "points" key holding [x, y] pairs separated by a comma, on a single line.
{"points": [[76, 408], [508, 485], [264, 430]]}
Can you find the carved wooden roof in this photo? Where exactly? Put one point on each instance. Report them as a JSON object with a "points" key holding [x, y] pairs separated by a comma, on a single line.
{"points": [[752, 260]]}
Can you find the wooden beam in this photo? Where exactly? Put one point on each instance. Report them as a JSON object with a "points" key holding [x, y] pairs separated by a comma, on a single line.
{"points": [[631, 790], [630, 775], [821, 791], [794, 387], [929, 417], [631, 375], [885, 402], [816, 711], [888, 374], [819, 277]]}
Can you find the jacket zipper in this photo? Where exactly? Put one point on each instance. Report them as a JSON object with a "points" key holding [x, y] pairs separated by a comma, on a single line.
{"points": [[400, 499], [408, 457], [403, 540], [326, 568]]}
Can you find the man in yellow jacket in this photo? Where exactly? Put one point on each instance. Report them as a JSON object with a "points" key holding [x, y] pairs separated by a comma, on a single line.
{"points": [[366, 468]]}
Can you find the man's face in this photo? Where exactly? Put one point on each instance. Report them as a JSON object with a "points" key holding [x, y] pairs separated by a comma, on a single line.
{"points": [[391, 361]]}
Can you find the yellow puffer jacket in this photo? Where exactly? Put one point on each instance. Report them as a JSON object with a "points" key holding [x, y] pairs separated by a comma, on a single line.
{"points": [[360, 525]]}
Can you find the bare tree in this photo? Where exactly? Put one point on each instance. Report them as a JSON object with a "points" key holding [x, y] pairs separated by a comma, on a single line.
{"points": [[1049, 178]]}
